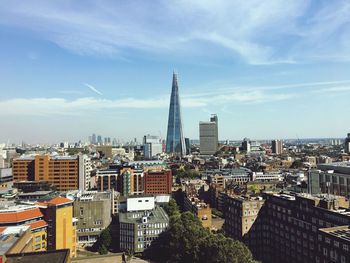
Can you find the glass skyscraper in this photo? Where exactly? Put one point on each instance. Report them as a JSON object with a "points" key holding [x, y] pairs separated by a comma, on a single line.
{"points": [[175, 142]]}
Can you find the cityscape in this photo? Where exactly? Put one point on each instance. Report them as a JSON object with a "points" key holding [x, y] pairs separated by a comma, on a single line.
{"points": [[166, 158]]}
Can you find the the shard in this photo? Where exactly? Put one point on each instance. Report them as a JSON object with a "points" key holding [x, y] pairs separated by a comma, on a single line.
{"points": [[175, 143]]}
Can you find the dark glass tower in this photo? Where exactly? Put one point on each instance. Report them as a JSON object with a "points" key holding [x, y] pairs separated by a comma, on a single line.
{"points": [[175, 142]]}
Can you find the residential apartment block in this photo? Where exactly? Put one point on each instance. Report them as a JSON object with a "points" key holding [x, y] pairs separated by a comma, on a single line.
{"points": [[292, 228]]}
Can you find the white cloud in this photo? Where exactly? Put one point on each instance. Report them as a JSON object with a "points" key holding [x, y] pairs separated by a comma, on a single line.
{"points": [[260, 32], [88, 105]]}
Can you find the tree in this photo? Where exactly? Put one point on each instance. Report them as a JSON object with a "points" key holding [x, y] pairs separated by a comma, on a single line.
{"points": [[103, 242], [102, 250], [187, 240], [172, 208]]}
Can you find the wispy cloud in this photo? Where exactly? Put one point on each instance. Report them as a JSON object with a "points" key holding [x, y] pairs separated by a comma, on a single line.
{"points": [[80, 106], [259, 32], [93, 89], [333, 89]]}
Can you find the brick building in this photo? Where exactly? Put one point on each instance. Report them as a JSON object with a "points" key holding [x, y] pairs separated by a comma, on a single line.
{"points": [[158, 182]]}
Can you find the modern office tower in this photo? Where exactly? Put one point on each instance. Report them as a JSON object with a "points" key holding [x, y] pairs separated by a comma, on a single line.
{"points": [[294, 228], [277, 146], [64, 172], [107, 179], [26, 215], [188, 146], [347, 144], [246, 145], [175, 143], [61, 231], [93, 210], [152, 146], [208, 136], [93, 139], [99, 140], [158, 182], [141, 223]]}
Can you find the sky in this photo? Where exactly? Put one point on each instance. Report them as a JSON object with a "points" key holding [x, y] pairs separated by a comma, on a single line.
{"points": [[268, 69]]}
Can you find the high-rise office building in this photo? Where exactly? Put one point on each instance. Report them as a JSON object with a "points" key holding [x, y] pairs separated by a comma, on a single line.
{"points": [[208, 136], [93, 139], [347, 144], [246, 145], [152, 146], [277, 146], [175, 143]]}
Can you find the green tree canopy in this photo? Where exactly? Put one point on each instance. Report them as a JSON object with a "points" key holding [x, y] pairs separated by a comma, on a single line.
{"points": [[187, 240], [103, 242]]}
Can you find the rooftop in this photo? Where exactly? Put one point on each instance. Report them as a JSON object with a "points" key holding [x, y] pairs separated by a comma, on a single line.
{"points": [[155, 215], [54, 256], [19, 213], [342, 232], [59, 200], [9, 236]]}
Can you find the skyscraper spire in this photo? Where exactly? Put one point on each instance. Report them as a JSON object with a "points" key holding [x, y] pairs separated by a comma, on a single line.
{"points": [[175, 142]]}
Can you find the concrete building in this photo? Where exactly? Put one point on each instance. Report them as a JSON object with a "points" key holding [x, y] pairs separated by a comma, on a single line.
{"points": [[208, 136], [104, 151], [93, 210], [64, 172], [152, 146], [85, 168], [347, 143], [277, 146], [158, 182], [6, 178], [141, 223], [333, 178]]}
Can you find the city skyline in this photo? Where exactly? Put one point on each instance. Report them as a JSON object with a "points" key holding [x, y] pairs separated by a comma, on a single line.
{"points": [[278, 70]]}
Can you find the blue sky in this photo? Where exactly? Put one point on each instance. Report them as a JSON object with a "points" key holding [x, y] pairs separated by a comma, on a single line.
{"points": [[268, 69]]}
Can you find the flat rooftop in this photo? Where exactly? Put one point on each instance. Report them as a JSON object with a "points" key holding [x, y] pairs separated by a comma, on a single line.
{"points": [[342, 232], [55, 256], [156, 215], [9, 236]]}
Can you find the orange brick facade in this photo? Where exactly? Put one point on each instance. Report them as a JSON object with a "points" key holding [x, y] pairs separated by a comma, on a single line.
{"points": [[61, 172], [158, 182]]}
